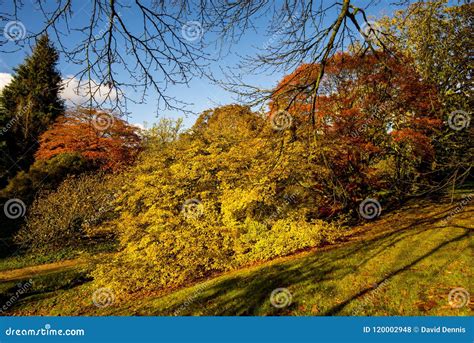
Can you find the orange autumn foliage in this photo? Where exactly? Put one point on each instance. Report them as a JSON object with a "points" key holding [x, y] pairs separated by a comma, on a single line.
{"points": [[369, 109], [353, 84], [103, 139]]}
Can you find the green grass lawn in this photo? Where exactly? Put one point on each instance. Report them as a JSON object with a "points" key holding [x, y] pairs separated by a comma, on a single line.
{"points": [[404, 263], [20, 261]]}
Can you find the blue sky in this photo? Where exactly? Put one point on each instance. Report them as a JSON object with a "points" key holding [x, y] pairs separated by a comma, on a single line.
{"points": [[200, 92]]}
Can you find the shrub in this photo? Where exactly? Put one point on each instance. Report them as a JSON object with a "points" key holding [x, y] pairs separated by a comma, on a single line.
{"points": [[70, 215], [222, 171], [168, 257], [286, 236], [44, 174], [161, 246]]}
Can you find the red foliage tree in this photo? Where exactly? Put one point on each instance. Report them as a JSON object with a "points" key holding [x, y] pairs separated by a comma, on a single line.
{"points": [[370, 108], [105, 140]]}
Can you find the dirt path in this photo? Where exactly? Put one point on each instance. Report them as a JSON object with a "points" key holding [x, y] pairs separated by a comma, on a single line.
{"points": [[28, 272]]}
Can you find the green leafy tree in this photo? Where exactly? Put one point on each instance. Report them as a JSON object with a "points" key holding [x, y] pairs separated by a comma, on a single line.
{"points": [[28, 105], [437, 37]]}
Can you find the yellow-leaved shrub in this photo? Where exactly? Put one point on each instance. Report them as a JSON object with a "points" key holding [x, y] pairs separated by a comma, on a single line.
{"points": [[260, 242], [209, 200]]}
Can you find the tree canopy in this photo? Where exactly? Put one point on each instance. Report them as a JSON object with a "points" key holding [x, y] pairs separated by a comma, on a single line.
{"points": [[103, 139], [28, 105]]}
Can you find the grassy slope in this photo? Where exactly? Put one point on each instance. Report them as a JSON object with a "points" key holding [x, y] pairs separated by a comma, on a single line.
{"points": [[405, 263], [32, 271], [20, 261]]}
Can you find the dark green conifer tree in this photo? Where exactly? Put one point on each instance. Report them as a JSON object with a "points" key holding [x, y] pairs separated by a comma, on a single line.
{"points": [[28, 105]]}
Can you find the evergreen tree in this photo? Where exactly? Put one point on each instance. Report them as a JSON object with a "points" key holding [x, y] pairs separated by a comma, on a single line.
{"points": [[28, 105]]}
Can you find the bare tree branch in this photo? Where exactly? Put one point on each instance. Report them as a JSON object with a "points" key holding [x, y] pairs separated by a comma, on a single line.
{"points": [[116, 58]]}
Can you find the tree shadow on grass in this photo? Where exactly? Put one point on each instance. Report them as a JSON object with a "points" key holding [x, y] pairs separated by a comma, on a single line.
{"points": [[317, 274], [42, 287], [336, 309]]}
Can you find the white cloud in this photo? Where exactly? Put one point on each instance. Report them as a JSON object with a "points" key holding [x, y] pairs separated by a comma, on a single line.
{"points": [[5, 79], [140, 126], [71, 93], [79, 94]]}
